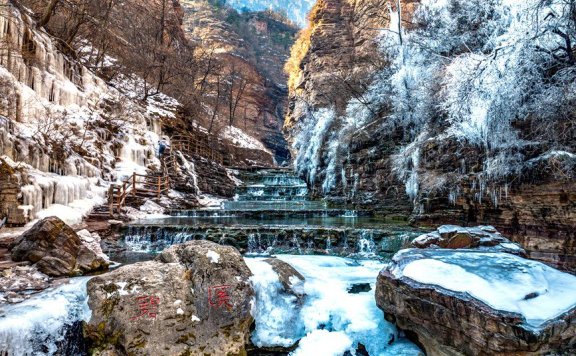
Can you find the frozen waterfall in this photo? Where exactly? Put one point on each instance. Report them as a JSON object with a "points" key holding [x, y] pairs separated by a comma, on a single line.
{"points": [[331, 319], [44, 324]]}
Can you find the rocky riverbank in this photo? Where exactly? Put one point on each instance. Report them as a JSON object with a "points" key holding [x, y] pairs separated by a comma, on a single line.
{"points": [[453, 297], [45, 256]]}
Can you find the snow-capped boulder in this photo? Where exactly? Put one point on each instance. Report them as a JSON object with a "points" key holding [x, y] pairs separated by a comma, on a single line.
{"points": [[479, 303], [458, 237], [92, 241], [292, 281], [193, 299], [57, 250], [152, 208]]}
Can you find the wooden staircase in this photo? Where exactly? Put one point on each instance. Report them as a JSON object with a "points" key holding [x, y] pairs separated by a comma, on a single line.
{"points": [[135, 189]]}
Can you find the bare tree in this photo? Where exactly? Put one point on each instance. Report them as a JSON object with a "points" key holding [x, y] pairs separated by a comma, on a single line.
{"points": [[236, 87], [48, 11]]}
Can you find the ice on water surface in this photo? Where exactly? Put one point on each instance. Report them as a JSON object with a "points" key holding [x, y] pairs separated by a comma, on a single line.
{"points": [[38, 325], [331, 320], [503, 281]]}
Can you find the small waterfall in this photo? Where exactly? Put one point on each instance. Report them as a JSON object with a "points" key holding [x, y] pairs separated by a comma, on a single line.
{"points": [[268, 218], [254, 243], [273, 190], [328, 244], [350, 214], [310, 245], [366, 244], [267, 240], [296, 243], [153, 239]]}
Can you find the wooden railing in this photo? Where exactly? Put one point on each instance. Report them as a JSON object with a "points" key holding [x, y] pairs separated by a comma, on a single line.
{"points": [[136, 186], [194, 146]]}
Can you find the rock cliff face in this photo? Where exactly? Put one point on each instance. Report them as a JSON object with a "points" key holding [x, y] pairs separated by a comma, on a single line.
{"points": [[332, 63], [254, 46], [375, 121], [79, 109]]}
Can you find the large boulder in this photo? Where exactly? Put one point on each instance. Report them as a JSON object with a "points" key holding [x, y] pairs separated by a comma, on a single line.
{"points": [[194, 299], [458, 237], [57, 250], [470, 302]]}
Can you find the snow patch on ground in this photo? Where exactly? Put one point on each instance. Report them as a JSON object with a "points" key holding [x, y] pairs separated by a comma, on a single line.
{"points": [[213, 256], [210, 201], [241, 139]]}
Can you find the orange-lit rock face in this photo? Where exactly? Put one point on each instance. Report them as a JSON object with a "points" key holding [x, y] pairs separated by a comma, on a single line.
{"points": [[338, 50], [254, 46]]}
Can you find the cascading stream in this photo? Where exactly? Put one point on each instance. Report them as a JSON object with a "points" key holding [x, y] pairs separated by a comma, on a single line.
{"points": [[272, 216], [272, 213]]}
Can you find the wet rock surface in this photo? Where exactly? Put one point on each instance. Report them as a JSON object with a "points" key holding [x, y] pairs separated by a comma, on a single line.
{"points": [[193, 299], [17, 283], [359, 288], [458, 237], [56, 250], [291, 279], [452, 322]]}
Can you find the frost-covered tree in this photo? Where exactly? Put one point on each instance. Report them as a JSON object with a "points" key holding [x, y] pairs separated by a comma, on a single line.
{"points": [[485, 69], [496, 76]]}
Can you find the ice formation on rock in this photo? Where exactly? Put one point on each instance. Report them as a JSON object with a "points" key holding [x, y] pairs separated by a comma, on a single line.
{"points": [[40, 325], [330, 319]]}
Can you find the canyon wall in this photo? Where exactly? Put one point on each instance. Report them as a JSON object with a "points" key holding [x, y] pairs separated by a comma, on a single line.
{"points": [[419, 111], [252, 48]]}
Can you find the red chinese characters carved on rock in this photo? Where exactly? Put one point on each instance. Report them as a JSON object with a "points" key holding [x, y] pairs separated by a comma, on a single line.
{"points": [[147, 307], [219, 297]]}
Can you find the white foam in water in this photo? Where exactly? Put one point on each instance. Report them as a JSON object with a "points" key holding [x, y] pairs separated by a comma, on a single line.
{"points": [[331, 321], [36, 326], [329, 343]]}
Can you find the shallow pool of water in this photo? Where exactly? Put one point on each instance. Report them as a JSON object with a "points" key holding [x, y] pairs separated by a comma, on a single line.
{"points": [[362, 222]]}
